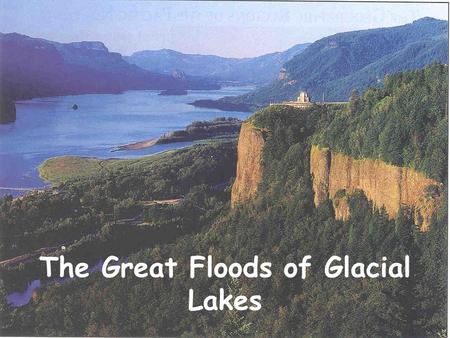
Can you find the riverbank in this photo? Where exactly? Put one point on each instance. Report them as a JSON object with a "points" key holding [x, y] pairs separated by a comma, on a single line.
{"points": [[196, 131], [60, 169], [136, 145], [57, 170]]}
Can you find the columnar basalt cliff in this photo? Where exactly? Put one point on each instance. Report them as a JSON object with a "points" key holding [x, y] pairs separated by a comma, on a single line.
{"points": [[383, 184], [336, 176], [249, 169]]}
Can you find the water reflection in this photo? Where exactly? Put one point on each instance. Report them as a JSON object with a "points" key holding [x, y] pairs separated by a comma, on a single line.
{"points": [[17, 299]]}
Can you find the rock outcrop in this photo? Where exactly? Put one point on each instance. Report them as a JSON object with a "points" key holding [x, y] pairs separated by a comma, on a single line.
{"points": [[341, 206], [7, 111], [249, 169], [383, 184]]}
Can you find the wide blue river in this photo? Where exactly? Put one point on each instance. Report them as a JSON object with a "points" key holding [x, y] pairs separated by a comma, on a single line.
{"points": [[48, 127]]}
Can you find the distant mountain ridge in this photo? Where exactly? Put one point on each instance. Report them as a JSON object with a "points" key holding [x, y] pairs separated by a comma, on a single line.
{"points": [[331, 67], [32, 67], [256, 70], [328, 68]]}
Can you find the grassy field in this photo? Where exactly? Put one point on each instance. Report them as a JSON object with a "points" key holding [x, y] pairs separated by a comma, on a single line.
{"points": [[60, 169]]}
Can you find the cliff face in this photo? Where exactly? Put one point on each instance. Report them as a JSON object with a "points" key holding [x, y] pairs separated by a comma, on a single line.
{"points": [[249, 169], [384, 184], [336, 176]]}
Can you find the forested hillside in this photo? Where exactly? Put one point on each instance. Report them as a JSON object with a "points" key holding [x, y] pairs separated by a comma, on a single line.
{"points": [[281, 224], [404, 123], [331, 67]]}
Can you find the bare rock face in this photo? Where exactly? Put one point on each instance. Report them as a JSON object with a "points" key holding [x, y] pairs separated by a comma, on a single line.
{"points": [[282, 75], [336, 176], [341, 207], [249, 168], [319, 167], [384, 184]]}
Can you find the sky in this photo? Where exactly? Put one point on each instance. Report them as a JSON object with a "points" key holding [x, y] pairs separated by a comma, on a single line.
{"points": [[230, 29]]}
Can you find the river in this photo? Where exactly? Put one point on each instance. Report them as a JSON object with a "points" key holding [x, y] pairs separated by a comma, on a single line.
{"points": [[48, 127], [21, 298]]}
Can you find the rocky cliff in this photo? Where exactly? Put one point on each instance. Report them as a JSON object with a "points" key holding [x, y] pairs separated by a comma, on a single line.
{"points": [[249, 169], [336, 176], [383, 184]]}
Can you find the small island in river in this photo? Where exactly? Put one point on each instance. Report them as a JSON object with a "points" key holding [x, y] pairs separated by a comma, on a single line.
{"points": [[221, 104]]}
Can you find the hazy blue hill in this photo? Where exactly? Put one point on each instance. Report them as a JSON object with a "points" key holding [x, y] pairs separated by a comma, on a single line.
{"points": [[93, 54], [33, 67], [334, 65], [257, 70], [168, 60]]}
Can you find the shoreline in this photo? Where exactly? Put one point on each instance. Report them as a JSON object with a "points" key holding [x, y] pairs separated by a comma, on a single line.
{"points": [[75, 166], [195, 131], [221, 105], [136, 145]]}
